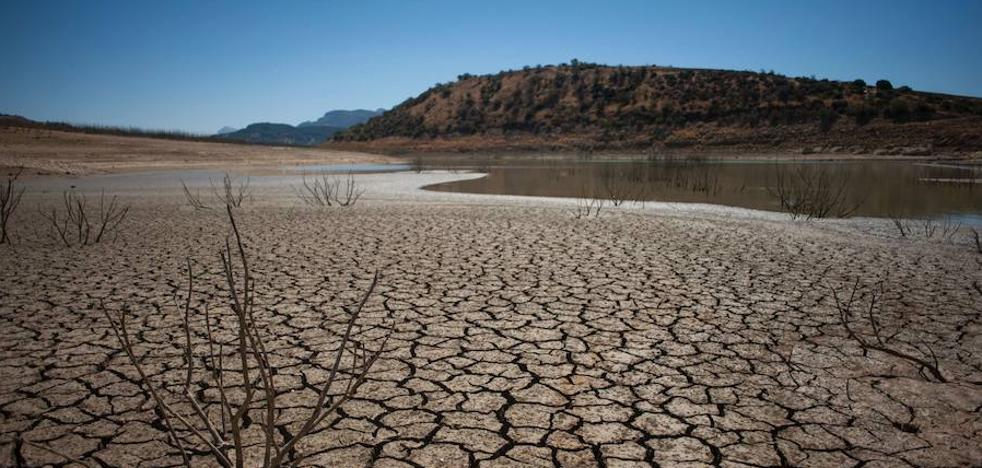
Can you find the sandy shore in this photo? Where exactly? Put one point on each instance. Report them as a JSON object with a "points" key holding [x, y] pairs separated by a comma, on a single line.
{"points": [[683, 335], [68, 153]]}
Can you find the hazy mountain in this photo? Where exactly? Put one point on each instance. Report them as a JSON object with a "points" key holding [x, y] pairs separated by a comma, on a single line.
{"points": [[277, 133], [307, 133], [595, 107], [343, 118]]}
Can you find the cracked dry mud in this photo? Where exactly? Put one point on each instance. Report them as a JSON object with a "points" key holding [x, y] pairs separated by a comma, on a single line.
{"points": [[520, 336]]}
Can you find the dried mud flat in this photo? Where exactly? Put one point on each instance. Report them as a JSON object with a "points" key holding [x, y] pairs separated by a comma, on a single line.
{"points": [[521, 336], [41, 151]]}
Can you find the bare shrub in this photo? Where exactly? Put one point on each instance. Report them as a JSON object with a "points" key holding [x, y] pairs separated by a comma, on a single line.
{"points": [[978, 240], [193, 199], [328, 191], [348, 191], [233, 190], [617, 188], [587, 207], [320, 192], [949, 228], [813, 191], [10, 196], [83, 224], [861, 315], [927, 227], [245, 391]]}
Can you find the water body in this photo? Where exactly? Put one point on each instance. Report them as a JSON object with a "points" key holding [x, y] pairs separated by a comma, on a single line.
{"points": [[873, 188]]}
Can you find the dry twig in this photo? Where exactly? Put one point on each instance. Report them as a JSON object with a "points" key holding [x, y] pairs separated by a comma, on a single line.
{"points": [[255, 374], [10, 196], [878, 339]]}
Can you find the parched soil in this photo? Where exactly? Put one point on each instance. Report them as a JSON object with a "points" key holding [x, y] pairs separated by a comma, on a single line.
{"points": [[519, 335], [41, 151]]}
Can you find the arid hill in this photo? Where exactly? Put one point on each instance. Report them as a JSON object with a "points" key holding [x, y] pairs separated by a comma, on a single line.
{"points": [[593, 107]]}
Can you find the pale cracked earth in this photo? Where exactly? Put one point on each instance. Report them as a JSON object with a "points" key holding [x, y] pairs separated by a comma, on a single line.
{"points": [[520, 336]]}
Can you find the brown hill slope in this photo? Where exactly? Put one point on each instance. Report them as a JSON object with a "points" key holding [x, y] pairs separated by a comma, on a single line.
{"points": [[593, 107]]}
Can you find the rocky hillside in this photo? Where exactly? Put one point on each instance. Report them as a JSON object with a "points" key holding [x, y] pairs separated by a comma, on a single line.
{"points": [[592, 107]]}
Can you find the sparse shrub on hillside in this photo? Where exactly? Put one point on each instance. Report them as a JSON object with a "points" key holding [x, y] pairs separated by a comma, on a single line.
{"points": [[863, 114], [898, 110], [858, 86], [624, 103], [827, 119], [884, 85]]}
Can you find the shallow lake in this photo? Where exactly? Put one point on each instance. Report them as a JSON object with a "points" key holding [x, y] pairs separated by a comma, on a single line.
{"points": [[869, 188]]}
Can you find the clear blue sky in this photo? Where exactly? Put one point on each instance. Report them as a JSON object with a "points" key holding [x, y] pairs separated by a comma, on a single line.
{"points": [[200, 65]]}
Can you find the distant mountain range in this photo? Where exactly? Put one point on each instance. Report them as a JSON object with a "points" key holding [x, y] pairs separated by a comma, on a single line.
{"points": [[281, 134], [343, 118], [586, 107], [308, 133]]}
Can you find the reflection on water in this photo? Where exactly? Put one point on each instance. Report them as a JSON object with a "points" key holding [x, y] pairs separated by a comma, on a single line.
{"points": [[878, 188]]}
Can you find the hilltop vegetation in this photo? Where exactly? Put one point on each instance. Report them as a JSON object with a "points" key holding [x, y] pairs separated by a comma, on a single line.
{"points": [[589, 106]]}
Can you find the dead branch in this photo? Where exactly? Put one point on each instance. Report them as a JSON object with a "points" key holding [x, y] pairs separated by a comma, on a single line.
{"points": [[321, 192], [255, 373], [10, 196], [81, 224], [193, 199], [813, 191], [348, 191], [878, 339], [233, 191], [327, 191]]}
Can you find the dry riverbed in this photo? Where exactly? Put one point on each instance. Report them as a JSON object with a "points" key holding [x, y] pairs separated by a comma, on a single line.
{"points": [[674, 334]]}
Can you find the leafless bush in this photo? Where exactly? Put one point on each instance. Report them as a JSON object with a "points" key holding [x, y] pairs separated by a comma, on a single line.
{"points": [[860, 311], [193, 199], [84, 224], [348, 191], [321, 192], [902, 225], [10, 196], [586, 207], [327, 191], [928, 227], [978, 240], [813, 192], [244, 391], [617, 188], [949, 228], [233, 191]]}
